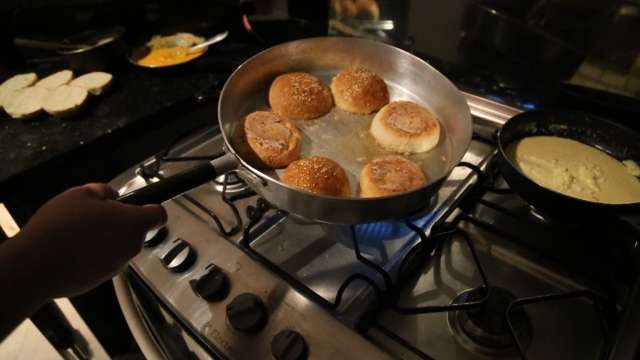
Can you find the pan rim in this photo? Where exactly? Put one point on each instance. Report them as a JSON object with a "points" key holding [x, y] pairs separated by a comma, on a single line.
{"points": [[117, 32], [502, 149], [257, 172]]}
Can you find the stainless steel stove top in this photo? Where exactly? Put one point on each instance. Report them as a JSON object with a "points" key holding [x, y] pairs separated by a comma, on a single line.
{"points": [[336, 287], [564, 329]]}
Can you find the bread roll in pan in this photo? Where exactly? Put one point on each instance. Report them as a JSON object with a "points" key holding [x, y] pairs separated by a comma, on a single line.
{"points": [[339, 135]]}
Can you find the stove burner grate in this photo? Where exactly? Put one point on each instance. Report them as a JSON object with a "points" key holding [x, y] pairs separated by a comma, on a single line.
{"points": [[485, 329], [256, 214], [515, 308], [420, 253], [149, 172], [491, 320], [538, 215], [487, 320], [229, 185]]}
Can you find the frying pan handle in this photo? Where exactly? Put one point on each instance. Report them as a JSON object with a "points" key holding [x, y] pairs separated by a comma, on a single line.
{"points": [[46, 45], [175, 185]]}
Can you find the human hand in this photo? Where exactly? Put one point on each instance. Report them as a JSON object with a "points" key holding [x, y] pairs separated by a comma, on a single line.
{"points": [[82, 237]]}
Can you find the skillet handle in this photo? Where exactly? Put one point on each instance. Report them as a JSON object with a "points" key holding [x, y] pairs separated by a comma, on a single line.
{"points": [[175, 185], [170, 187], [46, 45]]}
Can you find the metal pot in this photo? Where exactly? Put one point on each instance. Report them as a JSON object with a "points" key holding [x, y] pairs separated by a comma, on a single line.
{"points": [[88, 51]]}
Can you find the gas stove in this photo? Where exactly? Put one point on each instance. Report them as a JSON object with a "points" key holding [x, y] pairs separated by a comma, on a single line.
{"points": [[476, 275]]}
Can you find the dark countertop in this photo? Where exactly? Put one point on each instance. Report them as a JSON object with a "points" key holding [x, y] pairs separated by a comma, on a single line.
{"points": [[137, 117], [134, 96]]}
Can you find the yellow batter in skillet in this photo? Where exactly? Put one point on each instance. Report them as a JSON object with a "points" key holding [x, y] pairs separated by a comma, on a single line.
{"points": [[575, 169]]}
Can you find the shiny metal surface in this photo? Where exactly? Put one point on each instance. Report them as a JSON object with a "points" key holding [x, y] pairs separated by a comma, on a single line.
{"points": [[143, 338], [561, 330], [320, 256], [408, 78], [516, 261], [213, 40], [489, 112], [287, 308]]}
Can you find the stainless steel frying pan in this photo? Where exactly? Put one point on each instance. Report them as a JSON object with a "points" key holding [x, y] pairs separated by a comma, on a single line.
{"points": [[338, 135]]}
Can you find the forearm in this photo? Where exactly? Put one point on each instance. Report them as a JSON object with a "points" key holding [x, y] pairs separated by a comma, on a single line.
{"points": [[20, 293], [76, 240]]}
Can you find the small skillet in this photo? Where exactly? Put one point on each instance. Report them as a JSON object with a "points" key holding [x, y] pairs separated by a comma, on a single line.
{"points": [[614, 139]]}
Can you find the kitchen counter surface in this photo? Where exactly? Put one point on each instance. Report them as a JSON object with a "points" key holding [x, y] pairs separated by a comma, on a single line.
{"points": [[135, 97], [137, 117]]}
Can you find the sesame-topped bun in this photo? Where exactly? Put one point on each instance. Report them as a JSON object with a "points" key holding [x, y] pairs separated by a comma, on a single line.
{"points": [[405, 127], [318, 175], [389, 175], [299, 96], [359, 90], [274, 140]]}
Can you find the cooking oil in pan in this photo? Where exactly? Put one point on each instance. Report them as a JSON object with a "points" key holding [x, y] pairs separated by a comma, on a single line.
{"points": [[345, 138]]}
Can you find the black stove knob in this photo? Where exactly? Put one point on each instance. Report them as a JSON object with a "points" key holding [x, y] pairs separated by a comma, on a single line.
{"points": [[247, 313], [155, 237], [289, 345], [213, 285], [179, 257]]}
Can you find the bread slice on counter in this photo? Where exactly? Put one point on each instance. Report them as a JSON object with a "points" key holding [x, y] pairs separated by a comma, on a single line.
{"points": [[65, 100], [95, 82], [56, 79], [14, 83], [25, 103]]}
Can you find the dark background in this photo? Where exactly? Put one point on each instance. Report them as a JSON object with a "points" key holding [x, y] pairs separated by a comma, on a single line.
{"points": [[517, 52], [142, 113]]}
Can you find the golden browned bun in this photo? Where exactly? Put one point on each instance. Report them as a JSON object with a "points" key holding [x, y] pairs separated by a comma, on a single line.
{"points": [[318, 175], [405, 127], [368, 7], [359, 90], [274, 140], [299, 96], [364, 9], [389, 175]]}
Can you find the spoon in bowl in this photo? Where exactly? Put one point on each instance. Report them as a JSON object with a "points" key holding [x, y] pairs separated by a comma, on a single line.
{"points": [[215, 39]]}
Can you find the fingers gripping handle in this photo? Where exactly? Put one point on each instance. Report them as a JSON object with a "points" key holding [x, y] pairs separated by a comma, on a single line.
{"points": [[175, 185]]}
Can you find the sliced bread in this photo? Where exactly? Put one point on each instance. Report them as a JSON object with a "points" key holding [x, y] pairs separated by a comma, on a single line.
{"points": [[95, 82], [56, 79], [14, 83], [65, 100], [25, 103]]}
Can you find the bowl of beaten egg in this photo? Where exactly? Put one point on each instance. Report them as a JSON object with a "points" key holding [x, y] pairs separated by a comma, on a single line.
{"points": [[167, 51]]}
